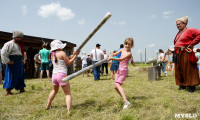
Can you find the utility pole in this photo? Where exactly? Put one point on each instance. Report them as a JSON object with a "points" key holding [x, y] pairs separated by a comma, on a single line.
{"points": [[145, 56], [141, 56]]}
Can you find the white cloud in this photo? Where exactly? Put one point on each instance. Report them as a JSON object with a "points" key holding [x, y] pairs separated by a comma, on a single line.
{"points": [[153, 16], [118, 23], [166, 17], [166, 14], [24, 9], [81, 22], [55, 9], [122, 23], [151, 45], [114, 23]]}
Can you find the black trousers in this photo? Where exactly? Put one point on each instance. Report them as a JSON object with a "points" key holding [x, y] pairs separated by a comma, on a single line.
{"points": [[106, 67]]}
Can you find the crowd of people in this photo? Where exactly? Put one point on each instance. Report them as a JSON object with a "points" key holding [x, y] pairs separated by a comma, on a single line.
{"points": [[14, 56]]}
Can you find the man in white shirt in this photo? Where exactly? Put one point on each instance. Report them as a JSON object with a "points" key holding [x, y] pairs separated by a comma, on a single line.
{"points": [[96, 55], [12, 55], [105, 64]]}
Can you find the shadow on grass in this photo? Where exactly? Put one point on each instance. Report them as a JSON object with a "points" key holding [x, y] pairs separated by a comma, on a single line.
{"points": [[135, 104], [130, 76], [160, 78], [85, 104], [105, 79], [137, 98]]}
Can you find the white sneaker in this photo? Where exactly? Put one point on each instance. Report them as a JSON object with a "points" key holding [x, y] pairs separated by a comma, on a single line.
{"points": [[126, 104]]}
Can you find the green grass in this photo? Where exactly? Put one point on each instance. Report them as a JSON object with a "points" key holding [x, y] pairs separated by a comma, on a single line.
{"points": [[97, 100]]}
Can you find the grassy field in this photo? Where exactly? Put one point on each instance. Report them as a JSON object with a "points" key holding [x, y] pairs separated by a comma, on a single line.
{"points": [[97, 100]]}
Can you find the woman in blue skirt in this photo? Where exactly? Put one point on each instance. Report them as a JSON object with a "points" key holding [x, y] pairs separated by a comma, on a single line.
{"points": [[12, 55]]}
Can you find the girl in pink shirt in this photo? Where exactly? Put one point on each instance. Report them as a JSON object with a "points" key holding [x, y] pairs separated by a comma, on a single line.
{"points": [[123, 68]]}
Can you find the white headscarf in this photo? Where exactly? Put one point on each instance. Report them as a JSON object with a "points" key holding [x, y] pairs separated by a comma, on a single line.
{"points": [[18, 34], [183, 19]]}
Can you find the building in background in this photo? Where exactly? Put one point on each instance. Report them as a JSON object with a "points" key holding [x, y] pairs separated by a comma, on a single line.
{"points": [[33, 44]]}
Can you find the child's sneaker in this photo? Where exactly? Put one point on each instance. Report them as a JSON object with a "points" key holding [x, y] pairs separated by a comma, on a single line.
{"points": [[126, 104], [1, 82]]}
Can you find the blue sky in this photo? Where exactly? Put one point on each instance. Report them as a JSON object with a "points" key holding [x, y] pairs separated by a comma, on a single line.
{"points": [[151, 23]]}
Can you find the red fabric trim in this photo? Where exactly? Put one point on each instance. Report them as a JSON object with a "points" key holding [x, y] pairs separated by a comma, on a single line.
{"points": [[22, 48]]}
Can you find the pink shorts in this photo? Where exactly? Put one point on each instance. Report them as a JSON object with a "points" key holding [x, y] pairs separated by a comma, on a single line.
{"points": [[121, 76], [57, 79]]}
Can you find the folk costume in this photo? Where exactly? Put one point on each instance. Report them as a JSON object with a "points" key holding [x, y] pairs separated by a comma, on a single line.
{"points": [[186, 71], [14, 75]]}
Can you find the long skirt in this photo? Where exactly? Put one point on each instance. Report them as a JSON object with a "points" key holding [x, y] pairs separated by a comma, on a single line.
{"points": [[186, 73], [14, 75]]}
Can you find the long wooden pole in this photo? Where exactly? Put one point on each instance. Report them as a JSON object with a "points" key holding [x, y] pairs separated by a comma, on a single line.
{"points": [[83, 70], [106, 17]]}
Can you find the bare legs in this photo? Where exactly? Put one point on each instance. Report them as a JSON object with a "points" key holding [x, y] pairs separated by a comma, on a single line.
{"points": [[112, 74], [41, 74], [173, 64], [120, 91], [86, 73], [67, 92], [66, 89], [48, 74], [52, 96]]}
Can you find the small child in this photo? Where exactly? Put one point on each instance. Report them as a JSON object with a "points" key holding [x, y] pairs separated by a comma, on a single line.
{"points": [[114, 66], [84, 62], [123, 68], [60, 62]]}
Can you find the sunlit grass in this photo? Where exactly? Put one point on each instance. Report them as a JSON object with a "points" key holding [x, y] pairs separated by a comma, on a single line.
{"points": [[98, 100]]}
